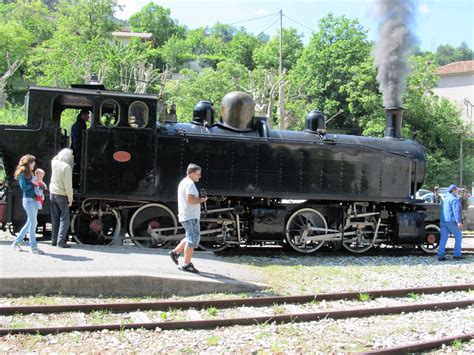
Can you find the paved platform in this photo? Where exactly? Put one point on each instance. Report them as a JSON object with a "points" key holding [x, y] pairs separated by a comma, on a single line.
{"points": [[117, 271]]}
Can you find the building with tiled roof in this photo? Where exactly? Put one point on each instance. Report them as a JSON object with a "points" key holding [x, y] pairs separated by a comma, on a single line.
{"points": [[456, 83], [125, 36], [455, 68]]}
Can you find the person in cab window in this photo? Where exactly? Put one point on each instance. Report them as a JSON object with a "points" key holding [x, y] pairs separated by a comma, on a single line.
{"points": [[76, 141]]}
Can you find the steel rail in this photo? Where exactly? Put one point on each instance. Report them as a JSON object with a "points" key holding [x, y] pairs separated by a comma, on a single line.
{"points": [[386, 252], [423, 345], [228, 322], [227, 303]]}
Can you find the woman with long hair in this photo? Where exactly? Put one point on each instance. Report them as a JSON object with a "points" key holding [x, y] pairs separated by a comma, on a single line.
{"points": [[24, 175]]}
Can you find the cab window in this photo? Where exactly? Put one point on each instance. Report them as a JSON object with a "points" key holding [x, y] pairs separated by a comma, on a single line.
{"points": [[109, 113], [138, 115]]}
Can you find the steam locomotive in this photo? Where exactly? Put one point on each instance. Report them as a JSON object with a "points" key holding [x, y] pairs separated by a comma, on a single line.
{"points": [[305, 189]]}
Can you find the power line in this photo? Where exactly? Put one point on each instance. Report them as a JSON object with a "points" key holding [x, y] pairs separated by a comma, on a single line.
{"points": [[252, 19], [299, 23], [278, 19]]}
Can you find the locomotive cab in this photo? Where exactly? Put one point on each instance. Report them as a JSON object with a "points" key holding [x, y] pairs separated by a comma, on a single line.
{"points": [[119, 122]]}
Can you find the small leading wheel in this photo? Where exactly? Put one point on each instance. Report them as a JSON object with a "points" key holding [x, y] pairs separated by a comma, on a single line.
{"points": [[362, 240], [95, 229], [222, 224], [152, 216], [433, 236], [302, 224]]}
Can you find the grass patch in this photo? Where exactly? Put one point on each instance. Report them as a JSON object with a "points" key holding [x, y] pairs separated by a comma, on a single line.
{"points": [[16, 325], [262, 335], [213, 340], [457, 344], [414, 296], [212, 311], [364, 297], [278, 309], [41, 299], [99, 317], [277, 348]]}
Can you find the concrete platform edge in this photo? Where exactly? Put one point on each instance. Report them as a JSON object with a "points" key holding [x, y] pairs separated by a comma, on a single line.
{"points": [[129, 285]]}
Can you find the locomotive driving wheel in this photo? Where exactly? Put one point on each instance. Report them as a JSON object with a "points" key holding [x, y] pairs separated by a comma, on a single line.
{"points": [[361, 238], [302, 224], [433, 236], [95, 229], [222, 228], [152, 216]]}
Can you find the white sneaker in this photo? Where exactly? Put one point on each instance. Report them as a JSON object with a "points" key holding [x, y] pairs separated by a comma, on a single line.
{"points": [[37, 251], [16, 247]]}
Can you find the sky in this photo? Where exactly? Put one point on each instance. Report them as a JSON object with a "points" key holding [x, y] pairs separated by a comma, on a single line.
{"points": [[437, 21]]}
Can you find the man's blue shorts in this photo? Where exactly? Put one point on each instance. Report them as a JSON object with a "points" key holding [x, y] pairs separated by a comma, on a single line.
{"points": [[193, 234]]}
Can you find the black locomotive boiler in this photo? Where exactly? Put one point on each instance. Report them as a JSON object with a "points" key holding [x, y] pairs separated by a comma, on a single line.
{"points": [[302, 189]]}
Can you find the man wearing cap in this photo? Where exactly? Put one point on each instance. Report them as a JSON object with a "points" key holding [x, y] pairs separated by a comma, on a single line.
{"points": [[76, 142], [451, 222]]}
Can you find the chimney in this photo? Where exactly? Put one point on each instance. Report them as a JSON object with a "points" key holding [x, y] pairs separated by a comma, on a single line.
{"points": [[393, 124]]}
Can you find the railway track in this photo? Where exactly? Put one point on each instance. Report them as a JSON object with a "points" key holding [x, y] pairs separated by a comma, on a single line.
{"points": [[422, 345], [254, 320], [228, 303], [276, 251]]}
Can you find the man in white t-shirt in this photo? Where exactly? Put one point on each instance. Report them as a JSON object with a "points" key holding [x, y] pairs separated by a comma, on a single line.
{"points": [[189, 212]]}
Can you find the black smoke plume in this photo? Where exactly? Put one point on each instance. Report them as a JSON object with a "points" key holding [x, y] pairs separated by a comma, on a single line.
{"points": [[395, 42]]}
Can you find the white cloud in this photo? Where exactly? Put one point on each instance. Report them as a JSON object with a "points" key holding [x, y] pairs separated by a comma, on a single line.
{"points": [[263, 12], [130, 7], [424, 8]]}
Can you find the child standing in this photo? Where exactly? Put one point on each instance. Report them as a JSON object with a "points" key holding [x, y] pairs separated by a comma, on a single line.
{"points": [[40, 186]]}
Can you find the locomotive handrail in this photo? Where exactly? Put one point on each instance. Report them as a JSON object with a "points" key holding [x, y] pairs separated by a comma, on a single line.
{"points": [[27, 129], [328, 140]]}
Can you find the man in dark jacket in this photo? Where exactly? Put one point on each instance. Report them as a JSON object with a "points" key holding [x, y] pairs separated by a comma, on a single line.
{"points": [[451, 222], [76, 142]]}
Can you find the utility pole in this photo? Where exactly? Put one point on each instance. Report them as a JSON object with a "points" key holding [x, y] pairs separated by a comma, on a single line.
{"points": [[281, 90], [469, 107], [281, 42], [460, 160]]}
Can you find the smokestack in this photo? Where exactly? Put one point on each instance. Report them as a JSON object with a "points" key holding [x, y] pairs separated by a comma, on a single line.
{"points": [[394, 120], [394, 44]]}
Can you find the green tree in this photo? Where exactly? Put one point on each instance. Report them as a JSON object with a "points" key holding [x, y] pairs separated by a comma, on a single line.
{"points": [[157, 20], [79, 44], [446, 53], [268, 55], [336, 74], [16, 42], [223, 32], [176, 51], [129, 67], [31, 15], [208, 84], [435, 120], [241, 49]]}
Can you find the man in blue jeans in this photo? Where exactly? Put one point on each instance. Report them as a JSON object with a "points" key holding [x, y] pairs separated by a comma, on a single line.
{"points": [[61, 192], [189, 213], [451, 223]]}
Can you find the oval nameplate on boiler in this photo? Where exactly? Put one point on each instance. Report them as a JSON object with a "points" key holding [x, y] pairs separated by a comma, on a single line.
{"points": [[122, 156]]}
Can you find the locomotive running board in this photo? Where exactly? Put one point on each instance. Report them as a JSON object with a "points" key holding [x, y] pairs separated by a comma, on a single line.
{"points": [[333, 236]]}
